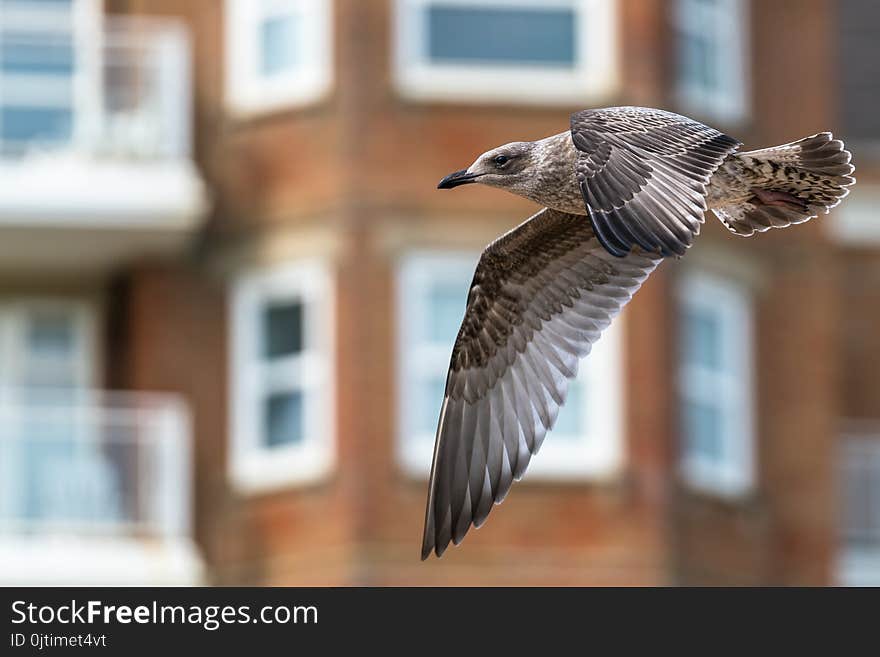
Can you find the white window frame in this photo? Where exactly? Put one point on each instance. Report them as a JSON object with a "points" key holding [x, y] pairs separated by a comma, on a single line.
{"points": [[247, 91], [593, 78], [252, 466], [730, 102], [731, 392], [596, 455]]}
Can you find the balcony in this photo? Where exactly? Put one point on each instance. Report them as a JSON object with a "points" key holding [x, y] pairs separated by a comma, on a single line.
{"points": [[95, 143], [95, 488]]}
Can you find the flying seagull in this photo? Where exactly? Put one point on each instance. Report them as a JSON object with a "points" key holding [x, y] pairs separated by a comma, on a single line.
{"points": [[623, 189]]}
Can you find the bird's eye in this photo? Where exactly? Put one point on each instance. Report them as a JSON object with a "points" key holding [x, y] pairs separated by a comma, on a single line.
{"points": [[500, 160]]}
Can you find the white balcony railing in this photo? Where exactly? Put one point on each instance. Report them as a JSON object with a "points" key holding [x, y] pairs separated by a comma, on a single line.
{"points": [[91, 463], [146, 89], [118, 89], [96, 110]]}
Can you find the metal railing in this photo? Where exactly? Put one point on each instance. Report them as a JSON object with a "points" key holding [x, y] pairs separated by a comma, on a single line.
{"points": [[94, 462], [119, 90]]}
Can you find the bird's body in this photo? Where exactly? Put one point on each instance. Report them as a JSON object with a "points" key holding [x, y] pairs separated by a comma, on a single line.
{"points": [[732, 183], [624, 188]]}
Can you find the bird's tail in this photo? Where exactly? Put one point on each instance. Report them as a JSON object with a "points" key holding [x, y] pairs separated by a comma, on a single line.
{"points": [[792, 184]]}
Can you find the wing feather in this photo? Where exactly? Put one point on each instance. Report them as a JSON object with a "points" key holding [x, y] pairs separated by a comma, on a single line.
{"points": [[540, 297], [643, 174]]}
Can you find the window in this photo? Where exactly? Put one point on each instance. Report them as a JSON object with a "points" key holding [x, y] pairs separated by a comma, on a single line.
{"points": [[46, 343], [857, 70], [524, 51], [47, 361], [432, 291], [715, 384], [282, 424], [278, 53], [45, 66], [861, 493], [860, 512], [711, 57]]}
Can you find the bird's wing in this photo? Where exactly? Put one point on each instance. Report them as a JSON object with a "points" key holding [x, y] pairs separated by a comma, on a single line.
{"points": [[643, 174], [540, 297]]}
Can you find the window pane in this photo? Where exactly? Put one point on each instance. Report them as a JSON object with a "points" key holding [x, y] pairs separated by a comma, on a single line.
{"points": [[701, 343], [49, 350], [570, 423], [857, 505], [35, 54], [501, 36], [278, 39], [858, 71], [283, 329], [283, 416], [50, 335], [24, 3], [446, 304], [35, 124], [697, 61], [702, 426], [861, 492]]}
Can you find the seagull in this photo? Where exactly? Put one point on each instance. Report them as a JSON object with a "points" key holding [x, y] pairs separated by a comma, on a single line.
{"points": [[622, 190]]}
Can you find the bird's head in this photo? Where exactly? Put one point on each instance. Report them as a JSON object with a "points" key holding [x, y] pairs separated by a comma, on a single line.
{"points": [[511, 167]]}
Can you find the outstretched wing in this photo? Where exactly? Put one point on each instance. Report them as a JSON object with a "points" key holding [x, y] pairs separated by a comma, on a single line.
{"points": [[540, 297], [643, 173]]}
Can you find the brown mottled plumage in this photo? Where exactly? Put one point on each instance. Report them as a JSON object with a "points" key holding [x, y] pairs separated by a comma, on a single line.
{"points": [[805, 178], [624, 188]]}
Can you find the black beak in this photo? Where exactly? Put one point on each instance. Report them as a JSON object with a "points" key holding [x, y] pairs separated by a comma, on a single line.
{"points": [[458, 178]]}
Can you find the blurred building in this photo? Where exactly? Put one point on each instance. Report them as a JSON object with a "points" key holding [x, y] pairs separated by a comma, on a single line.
{"points": [[96, 174], [220, 237]]}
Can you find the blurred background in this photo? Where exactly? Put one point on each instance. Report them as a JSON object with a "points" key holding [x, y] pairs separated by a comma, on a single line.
{"points": [[229, 290]]}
